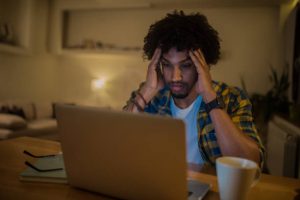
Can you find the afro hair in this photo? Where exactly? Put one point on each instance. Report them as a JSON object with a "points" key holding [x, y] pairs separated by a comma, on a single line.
{"points": [[183, 32]]}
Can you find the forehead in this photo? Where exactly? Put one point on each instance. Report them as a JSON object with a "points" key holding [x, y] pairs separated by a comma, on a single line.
{"points": [[173, 56]]}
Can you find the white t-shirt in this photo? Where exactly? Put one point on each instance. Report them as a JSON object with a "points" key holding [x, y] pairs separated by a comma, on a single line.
{"points": [[189, 116]]}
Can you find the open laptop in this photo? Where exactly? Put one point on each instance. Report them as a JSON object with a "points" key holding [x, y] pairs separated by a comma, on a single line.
{"points": [[125, 155]]}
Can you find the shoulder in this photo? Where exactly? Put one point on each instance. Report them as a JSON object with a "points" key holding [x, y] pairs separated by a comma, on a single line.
{"points": [[233, 97], [225, 90]]}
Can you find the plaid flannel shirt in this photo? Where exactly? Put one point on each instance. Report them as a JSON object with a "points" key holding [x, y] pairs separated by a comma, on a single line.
{"points": [[237, 105]]}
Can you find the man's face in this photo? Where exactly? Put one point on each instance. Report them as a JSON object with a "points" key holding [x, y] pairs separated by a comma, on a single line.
{"points": [[179, 72]]}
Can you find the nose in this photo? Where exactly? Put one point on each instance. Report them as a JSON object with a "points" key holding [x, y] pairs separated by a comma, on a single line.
{"points": [[177, 75]]}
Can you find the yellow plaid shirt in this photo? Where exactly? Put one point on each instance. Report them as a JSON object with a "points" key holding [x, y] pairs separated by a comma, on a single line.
{"points": [[237, 105]]}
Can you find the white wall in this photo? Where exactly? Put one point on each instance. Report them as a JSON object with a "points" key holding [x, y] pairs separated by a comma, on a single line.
{"points": [[250, 39], [250, 45], [122, 74], [26, 77]]}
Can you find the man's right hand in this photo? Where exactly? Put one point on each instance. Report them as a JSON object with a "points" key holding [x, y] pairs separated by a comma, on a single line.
{"points": [[154, 80]]}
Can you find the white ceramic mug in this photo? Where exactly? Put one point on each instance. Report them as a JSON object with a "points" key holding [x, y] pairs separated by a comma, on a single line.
{"points": [[235, 177]]}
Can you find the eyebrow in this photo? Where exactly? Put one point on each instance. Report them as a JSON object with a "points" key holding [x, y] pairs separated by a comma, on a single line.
{"points": [[180, 62]]}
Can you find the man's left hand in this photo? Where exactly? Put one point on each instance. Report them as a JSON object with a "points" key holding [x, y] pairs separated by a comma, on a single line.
{"points": [[204, 83]]}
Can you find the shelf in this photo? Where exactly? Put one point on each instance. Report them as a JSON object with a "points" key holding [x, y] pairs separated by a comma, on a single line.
{"points": [[96, 26], [16, 25], [99, 52], [6, 48]]}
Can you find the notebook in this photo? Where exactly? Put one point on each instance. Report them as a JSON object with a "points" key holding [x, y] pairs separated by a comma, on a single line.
{"points": [[125, 155], [59, 176]]}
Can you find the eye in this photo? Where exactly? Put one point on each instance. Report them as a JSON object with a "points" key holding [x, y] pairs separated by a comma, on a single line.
{"points": [[186, 65], [165, 64]]}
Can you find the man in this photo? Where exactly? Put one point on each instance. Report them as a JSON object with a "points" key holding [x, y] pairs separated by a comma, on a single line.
{"points": [[218, 117]]}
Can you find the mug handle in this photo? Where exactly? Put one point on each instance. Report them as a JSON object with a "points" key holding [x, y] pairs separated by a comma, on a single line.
{"points": [[256, 177]]}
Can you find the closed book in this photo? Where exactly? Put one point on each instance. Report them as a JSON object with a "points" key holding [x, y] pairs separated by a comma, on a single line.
{"points": [[54, 162]]}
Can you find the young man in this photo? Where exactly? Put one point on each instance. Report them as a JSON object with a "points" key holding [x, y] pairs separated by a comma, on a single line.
{"points": [[218, 117]]}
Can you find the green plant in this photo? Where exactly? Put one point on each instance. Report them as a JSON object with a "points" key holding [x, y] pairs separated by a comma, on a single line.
{"points": [[276, 99]]}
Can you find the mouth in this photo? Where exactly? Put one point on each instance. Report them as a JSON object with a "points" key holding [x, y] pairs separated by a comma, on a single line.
{"points": [[176, 87]]}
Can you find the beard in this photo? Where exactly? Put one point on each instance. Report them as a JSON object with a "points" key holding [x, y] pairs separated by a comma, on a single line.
{"points": [[179, 95], [180, 89]]}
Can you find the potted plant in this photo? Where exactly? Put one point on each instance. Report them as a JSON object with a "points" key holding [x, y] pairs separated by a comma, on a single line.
{"points": [[275, 100]]}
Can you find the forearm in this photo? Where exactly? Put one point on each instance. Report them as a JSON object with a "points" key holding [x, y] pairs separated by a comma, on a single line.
{"points": [[231, 139], [139, 101], [130, 107]]}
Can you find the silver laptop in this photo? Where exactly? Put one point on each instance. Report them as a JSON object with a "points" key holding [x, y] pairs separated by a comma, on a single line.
{"points": [[125, 155]]}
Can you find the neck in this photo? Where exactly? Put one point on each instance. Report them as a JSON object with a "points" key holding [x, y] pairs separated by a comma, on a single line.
{"points": [[187, 101]]}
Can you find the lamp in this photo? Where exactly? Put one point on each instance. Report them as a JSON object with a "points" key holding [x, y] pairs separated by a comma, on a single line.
{"points": [[98, 83]]}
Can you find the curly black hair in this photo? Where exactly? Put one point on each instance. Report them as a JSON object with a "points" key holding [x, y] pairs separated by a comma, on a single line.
{"points": [[183, 32]]}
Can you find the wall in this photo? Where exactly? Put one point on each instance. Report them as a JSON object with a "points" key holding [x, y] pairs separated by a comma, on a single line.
{"points": [[288, 35], [29, 76], [250, 40], [122, 74], [250, 45]]}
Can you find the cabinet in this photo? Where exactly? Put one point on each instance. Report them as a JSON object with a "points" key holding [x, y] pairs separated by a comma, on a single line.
{"points": [[15, 26]]}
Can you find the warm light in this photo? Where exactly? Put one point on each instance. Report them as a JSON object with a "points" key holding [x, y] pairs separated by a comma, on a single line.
{"points": [[98, 84], [285, 11]]}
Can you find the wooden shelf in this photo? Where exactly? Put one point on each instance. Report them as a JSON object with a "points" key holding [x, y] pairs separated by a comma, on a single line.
{"points": [[99, 52], [13, 49], [16, 16], [81, 24]]}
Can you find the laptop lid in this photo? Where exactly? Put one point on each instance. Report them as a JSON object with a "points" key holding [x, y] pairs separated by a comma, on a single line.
{"points": [[124, 155]]}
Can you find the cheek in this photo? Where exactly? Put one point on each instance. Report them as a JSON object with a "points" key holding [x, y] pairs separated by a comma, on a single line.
{"points": [[190, 78], [166, 77], [166, 73], [189, 75]]}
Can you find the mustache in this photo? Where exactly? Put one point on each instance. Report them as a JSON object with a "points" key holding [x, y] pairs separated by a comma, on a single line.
{"points": [[177, 83]]}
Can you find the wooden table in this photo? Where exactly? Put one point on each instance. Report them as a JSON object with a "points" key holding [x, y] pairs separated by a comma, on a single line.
{"points": [[12, 163]]}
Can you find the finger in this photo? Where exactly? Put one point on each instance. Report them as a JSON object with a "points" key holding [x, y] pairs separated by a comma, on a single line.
{"points": [[201, 58], [197, 54], [195, 61], [156, 53], [155, 58]]}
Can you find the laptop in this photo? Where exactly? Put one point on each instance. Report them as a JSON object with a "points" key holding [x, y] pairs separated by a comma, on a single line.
{"points": [[125, 155]]}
